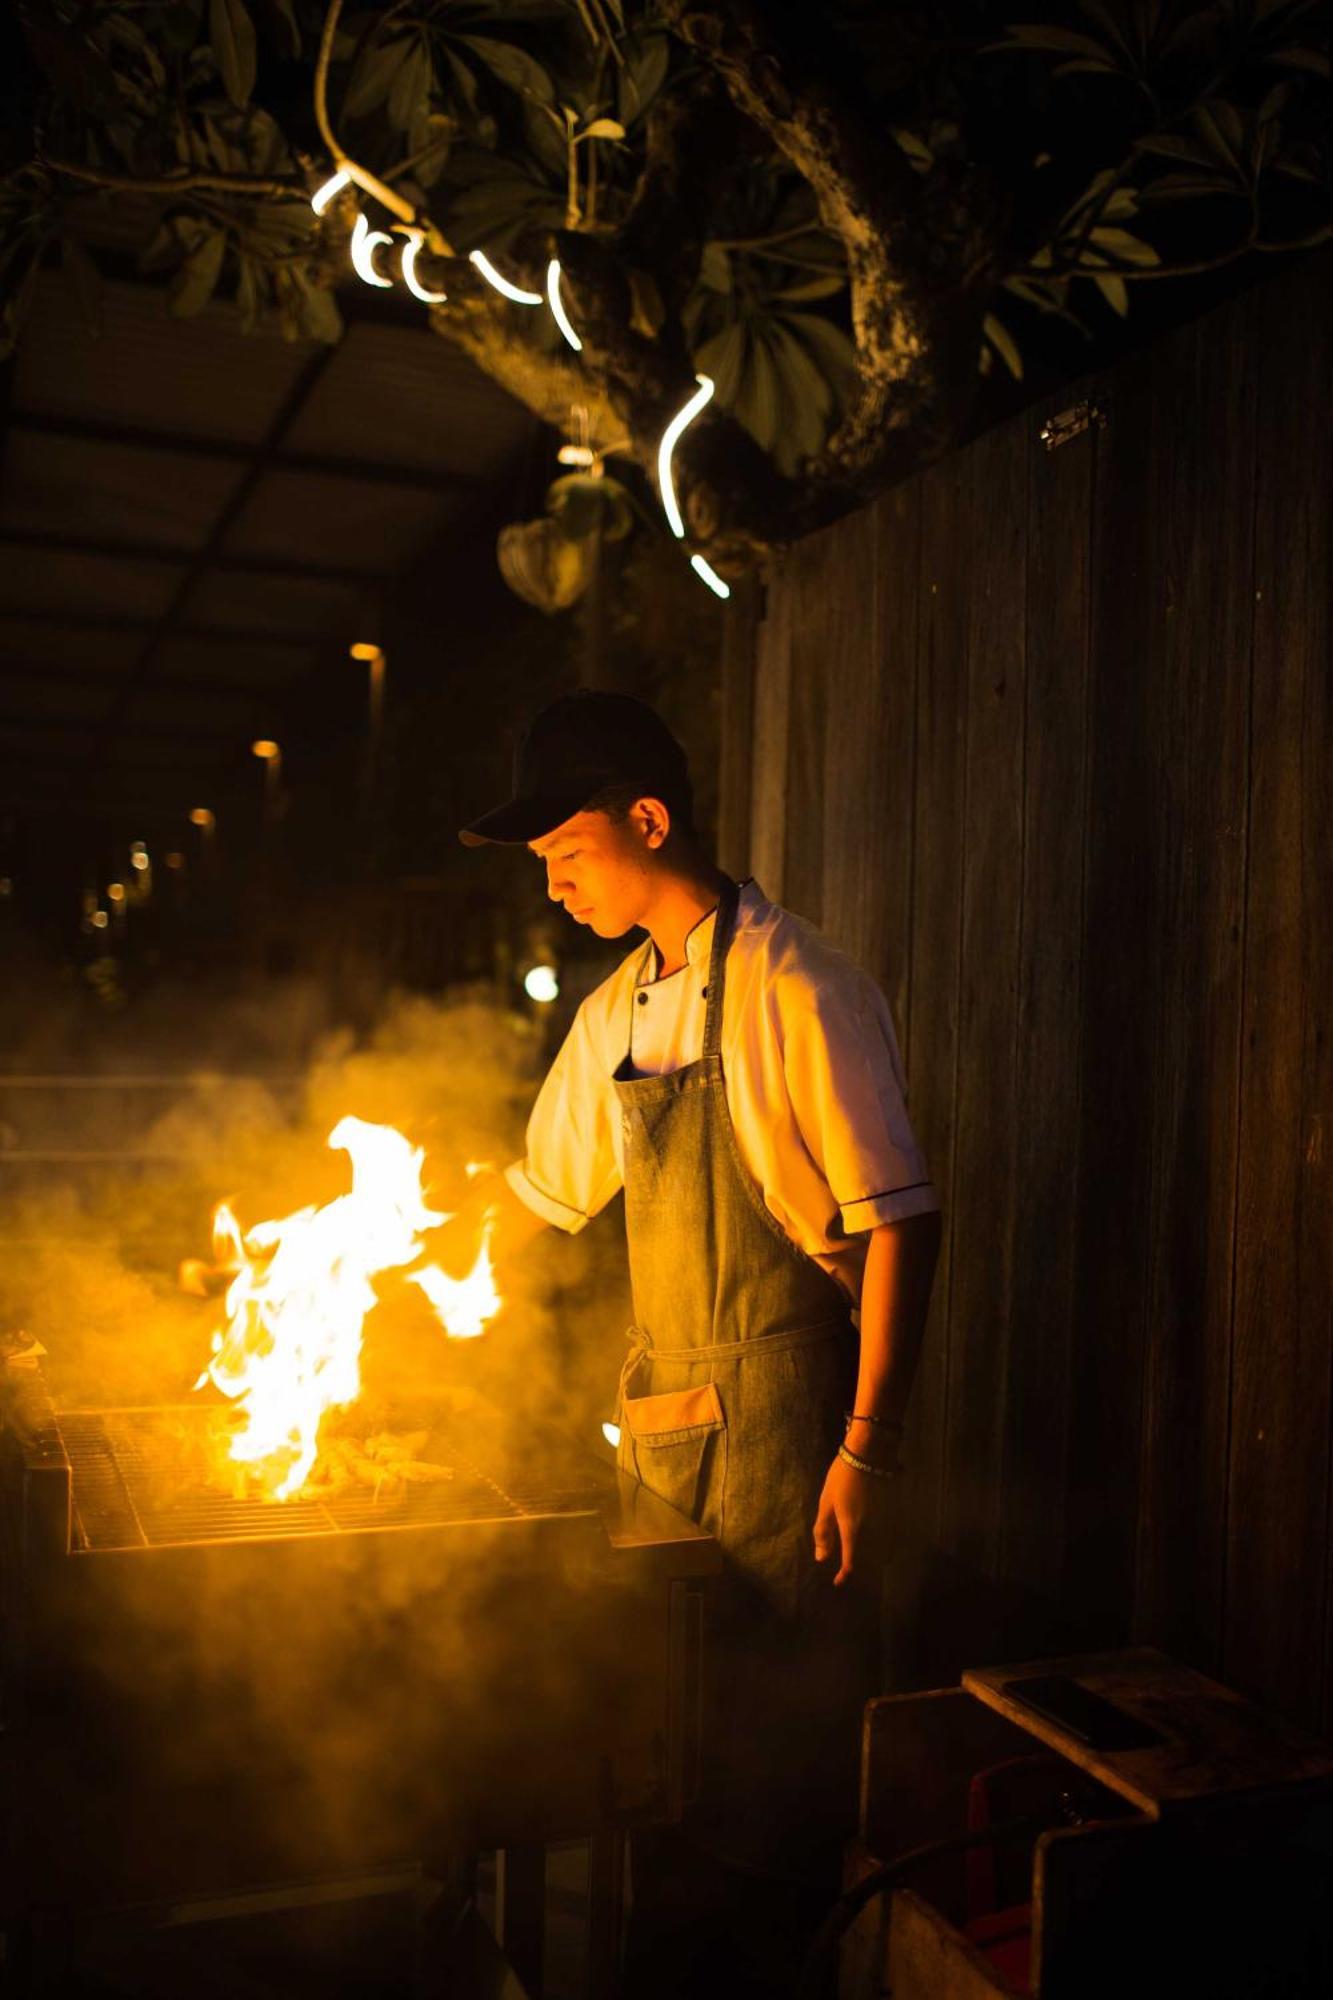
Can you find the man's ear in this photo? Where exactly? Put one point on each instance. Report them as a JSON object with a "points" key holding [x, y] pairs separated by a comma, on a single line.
{"points": [[653, 820]]}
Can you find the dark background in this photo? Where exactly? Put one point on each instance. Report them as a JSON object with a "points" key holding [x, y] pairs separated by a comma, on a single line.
{"points": [[1046, 738]]}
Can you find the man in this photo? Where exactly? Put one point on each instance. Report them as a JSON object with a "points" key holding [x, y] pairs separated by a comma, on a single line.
{"points": [[740, 1078]]}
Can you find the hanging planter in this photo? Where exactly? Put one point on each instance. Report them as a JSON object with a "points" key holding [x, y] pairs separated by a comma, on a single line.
{"points": [[550, 562]]}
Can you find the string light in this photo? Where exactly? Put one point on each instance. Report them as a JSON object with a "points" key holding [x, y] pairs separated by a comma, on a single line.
{"points": [[365, 241], [710, 576], [415, 239], [557, 305], [482, 263], [541, 984], [666, 484], [611, 1432], [321, 198]]}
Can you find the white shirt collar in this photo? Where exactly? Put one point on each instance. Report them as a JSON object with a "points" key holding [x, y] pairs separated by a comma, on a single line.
{"points": [[699, 937]]}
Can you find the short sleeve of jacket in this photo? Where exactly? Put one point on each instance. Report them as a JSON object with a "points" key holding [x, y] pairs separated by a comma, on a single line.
{"points": [[570, 1170], [845, 1081]]}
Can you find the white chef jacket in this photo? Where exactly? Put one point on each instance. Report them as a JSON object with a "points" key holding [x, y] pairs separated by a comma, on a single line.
{"points": [[814, 1085]]}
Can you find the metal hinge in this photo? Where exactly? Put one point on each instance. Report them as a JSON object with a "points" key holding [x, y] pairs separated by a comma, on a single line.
{"points": [[1072, 423]]}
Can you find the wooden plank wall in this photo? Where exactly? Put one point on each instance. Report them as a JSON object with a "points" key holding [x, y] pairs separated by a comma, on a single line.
{"points": [[1046, 740]]}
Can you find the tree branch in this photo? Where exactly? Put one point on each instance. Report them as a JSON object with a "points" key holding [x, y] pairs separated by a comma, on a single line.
{"points": [[923, 250], [271, 186]]}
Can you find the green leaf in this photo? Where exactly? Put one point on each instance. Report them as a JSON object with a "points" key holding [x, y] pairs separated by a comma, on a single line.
{"points": [[231, 33], [195, 282], [808, 392], [1312, 61], [715, 268], [412, 85], [603, 128], [247, 294], [1000, 338], [1126, 249], [1055, 41], [319, 317], [757, 399], [1190, 187], [375, 74], [831, 348], [641, 77], [812, 288], [917, 151], [1113, 289], [513, 66], [723, 357], [647, 311]]}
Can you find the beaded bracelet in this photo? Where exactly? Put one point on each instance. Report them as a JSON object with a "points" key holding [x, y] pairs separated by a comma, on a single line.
{"points": [[853, 1458]]}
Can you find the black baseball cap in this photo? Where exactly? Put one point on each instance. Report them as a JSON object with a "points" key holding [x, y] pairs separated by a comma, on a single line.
{"points": [[579, 746]]}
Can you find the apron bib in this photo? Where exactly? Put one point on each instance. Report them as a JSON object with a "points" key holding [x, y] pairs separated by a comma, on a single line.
{"points": [[741, 1364]]}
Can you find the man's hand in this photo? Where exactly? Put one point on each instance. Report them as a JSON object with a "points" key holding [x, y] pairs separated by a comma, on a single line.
{"points": [[853, 1509]]}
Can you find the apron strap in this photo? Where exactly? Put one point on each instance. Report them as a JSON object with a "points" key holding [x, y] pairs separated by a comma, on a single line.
{"points": [[723, 930]]}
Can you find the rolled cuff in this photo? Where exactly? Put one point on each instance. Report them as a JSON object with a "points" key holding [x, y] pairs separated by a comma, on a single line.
{"points": [[894, 1205], [558, 1213]]}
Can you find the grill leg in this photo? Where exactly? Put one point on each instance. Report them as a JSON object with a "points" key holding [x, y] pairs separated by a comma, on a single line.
{"points": [[520, 1912], [40, 1952], [606, 1912]]}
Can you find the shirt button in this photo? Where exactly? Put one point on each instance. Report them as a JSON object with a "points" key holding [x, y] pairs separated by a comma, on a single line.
{"points": [[642, 999], [705, 993]]}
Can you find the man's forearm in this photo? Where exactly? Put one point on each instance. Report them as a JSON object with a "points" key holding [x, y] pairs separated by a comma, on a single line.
{"points": [[895, 1298]]}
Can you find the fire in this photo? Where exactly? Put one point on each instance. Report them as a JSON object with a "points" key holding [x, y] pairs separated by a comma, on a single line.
{"points": [[291, 1347]]}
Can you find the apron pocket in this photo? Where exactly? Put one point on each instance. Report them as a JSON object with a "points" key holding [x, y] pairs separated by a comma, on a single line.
{"points": [[677, 1449]]}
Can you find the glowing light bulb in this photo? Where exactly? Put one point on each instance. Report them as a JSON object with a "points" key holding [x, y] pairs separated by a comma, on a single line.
{"points": [[265, 749], [710, 577], [557, 305], [482, 263], [139, 861], [365, 241], [541, 984], [415, 239], [671, 437], [201, 816], [321, 198], [115, 892], [611, 1432], [99, 920]]}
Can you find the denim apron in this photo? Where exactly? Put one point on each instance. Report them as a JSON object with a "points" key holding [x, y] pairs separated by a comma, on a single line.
{"points": [[741, 1364]]}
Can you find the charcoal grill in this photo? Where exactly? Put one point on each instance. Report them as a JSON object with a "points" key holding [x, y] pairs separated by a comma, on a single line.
{"points": [[204, 1695]]}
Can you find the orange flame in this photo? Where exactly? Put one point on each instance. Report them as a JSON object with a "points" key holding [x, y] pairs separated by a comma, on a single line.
{"points": [[291, 1346]]}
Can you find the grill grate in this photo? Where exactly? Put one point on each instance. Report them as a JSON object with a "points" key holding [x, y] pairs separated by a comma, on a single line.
{"points": [[128, 1494]]}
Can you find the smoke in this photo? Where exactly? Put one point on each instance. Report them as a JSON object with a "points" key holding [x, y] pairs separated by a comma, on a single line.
{"points": [[262, 1710], [89, 1254]]}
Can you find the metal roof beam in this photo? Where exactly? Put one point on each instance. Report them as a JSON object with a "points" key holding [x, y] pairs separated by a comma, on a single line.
{"points": [[324, 465], [194, 561]]}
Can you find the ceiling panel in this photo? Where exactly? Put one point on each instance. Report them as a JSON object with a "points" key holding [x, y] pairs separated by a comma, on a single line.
{"points": [[312, 517], [30, 643], [250, 664], [86, 489], [295, 607], [407, 398], [84, 585], [199, 375], [187, 754], [194, 711], [46, 699]]}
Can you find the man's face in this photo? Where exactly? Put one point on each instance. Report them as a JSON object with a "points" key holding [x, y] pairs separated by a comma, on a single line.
{"points": [[600, 870]]}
